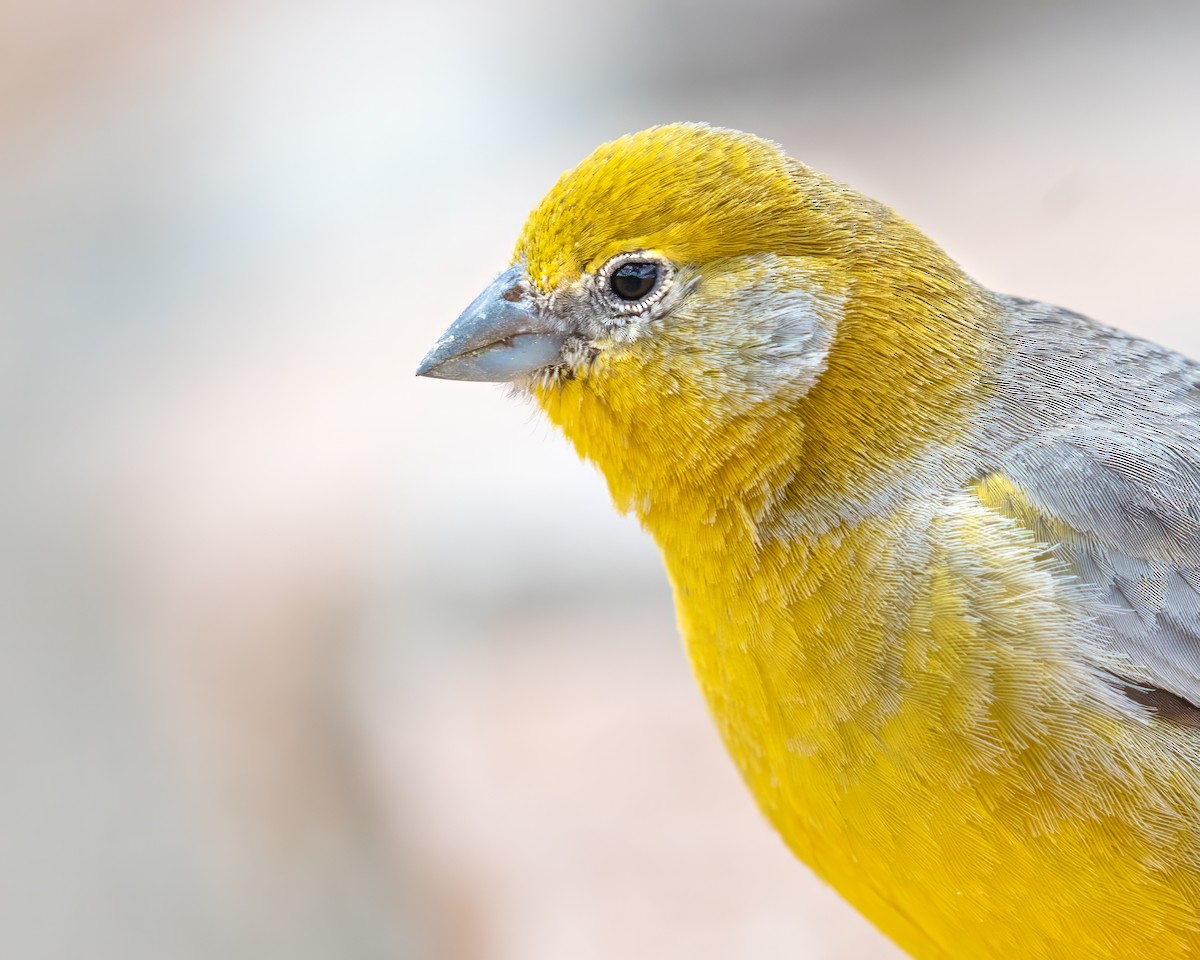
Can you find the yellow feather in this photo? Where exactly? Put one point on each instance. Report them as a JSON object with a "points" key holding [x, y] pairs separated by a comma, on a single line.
{"points": [[894, 665]]}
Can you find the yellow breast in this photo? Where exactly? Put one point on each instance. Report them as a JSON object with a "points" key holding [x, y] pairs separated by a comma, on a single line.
{"points": [[905, 700]]}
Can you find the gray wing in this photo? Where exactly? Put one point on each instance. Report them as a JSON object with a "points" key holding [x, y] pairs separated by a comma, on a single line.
{"points": [[1104, 444]]}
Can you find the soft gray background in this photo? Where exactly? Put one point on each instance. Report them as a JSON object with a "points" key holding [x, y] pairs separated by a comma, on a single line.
{"points": [[302, 657]]}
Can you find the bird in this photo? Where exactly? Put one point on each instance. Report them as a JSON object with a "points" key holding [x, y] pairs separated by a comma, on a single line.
{"points": [[934, 550]]}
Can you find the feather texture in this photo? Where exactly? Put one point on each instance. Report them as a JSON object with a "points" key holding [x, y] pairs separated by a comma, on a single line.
{"points": [[1099, 456], [935, 551]]}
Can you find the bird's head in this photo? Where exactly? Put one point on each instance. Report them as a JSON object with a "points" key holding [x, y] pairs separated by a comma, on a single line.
{"points": [[691, 306]]}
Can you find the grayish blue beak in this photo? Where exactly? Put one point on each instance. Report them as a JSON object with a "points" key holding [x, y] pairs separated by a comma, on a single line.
{"points": [[499, 337]]}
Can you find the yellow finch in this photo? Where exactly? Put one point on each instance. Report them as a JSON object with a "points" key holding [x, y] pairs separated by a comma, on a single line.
{"points": [[935, 550]]}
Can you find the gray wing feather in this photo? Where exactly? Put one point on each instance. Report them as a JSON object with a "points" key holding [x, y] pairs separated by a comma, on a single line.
{"points": [[1107, 442]]}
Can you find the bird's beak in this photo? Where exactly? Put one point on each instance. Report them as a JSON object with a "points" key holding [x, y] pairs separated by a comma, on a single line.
{"points": [[501, 336]]}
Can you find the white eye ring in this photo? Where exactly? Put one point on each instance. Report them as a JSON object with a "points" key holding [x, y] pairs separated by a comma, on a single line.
{"points": [[640, 266]]}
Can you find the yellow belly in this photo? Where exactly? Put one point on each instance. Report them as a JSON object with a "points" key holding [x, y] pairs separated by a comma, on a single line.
{"points": [[909, 704]]}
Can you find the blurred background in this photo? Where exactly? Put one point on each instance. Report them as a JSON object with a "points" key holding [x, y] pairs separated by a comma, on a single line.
{"points": [[295, 658]]}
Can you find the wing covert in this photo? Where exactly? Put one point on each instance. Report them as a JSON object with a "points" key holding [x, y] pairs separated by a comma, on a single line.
{"points": [[1126, 521]]}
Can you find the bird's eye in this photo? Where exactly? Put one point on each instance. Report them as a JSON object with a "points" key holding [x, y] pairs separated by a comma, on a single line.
{"points": [[634, 279], [631, 283]]}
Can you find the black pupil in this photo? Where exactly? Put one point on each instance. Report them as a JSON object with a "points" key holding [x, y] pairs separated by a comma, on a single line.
{"points": [[632, 281]]}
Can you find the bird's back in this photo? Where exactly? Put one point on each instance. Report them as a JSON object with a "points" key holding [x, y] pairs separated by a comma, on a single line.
{"points": [[1100, 456]]}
